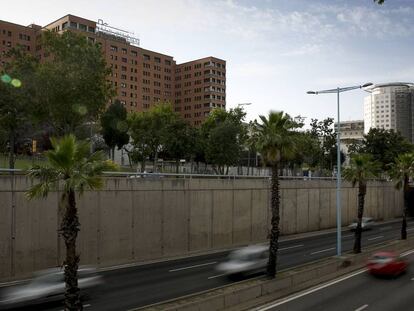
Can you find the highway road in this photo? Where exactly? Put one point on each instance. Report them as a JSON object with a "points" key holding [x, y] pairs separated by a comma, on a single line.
{"points": [[132, 287], [356, 292]]}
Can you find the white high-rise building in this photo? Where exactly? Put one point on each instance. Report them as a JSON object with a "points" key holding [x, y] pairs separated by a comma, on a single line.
{"points": [[390, 106]]}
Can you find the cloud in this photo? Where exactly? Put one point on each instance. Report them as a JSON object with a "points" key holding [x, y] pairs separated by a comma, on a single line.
{"points": [[306, 49]]}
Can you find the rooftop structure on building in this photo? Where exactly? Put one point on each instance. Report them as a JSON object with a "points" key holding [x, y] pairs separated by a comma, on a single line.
{"points": [[141, 77]]}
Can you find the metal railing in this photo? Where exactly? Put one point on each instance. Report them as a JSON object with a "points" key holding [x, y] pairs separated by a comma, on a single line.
{"points": [[181, 175]]}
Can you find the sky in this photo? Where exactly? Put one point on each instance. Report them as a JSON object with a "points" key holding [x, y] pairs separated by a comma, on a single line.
{"points": [[276, 50]]}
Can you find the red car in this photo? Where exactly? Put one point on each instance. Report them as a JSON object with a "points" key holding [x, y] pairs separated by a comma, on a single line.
{"points": [[386, 264]]}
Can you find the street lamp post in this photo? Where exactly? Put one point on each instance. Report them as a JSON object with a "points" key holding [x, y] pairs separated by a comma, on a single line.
{"points": [[339, 90]]}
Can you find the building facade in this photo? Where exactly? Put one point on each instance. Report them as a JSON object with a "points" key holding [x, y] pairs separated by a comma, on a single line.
{"points": [[141, 77], [390, 106], [351, 132]]}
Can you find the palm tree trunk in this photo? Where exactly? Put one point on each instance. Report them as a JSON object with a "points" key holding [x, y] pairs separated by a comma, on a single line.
{"points": [[405, 210], [274, 233], [358, 230], [69, 230]]}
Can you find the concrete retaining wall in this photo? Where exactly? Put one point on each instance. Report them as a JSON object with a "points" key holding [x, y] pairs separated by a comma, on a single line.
{"points": [[137, 220]]}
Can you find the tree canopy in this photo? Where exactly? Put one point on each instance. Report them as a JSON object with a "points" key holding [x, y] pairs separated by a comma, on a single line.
{"points": [[72, 84], [224, 134], [384, 145], [114, 126]]}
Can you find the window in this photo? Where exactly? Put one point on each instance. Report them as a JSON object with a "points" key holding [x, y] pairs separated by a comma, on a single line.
{"points": [[124, 51], [167, 62], [114, 48], [123, 68], [157, 59], [124, 60], [82, 27], [123, 77], [91, 29], [123, 85], [134, 53], [147, 57]]}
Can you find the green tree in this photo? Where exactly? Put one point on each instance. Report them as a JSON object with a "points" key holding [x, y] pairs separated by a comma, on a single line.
{"points": [[224, 135], [362, 167], [401, 171], [178, 141], [140, 132], [383, 145], [222, 147], [276, 141], [324, 132], [72, 167], [73, 85], [17, 102], [115, 127], [149, 130]]}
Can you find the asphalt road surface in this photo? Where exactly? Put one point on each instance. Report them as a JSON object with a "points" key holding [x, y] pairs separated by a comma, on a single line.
{"points": [[132, 287], [356, 292]]}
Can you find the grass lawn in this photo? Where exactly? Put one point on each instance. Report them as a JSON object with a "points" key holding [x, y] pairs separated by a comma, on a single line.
{"points": [[21, 163]]}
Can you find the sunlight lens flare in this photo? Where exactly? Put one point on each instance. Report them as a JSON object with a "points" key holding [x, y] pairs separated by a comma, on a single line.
{"points": [[16, 83], [6, 78]]}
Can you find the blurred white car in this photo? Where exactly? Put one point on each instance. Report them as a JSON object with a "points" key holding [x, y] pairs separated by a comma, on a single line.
{"points": [[46, 285], [244, 261], [367, 223]]}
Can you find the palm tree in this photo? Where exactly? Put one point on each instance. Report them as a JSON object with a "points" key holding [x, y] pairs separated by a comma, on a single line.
{"points": [[362, 167], [276, 140], [401, 171], [71, 166]]}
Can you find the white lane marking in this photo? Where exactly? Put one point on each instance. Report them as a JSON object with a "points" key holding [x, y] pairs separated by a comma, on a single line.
{"points": [[289, 247], [375, 238], [195, 266], [385, 228], [85, 306], [407, 253], [349, 235], [5, 284], [361, 308], [215, 276], [296, 296], [323, 250]]}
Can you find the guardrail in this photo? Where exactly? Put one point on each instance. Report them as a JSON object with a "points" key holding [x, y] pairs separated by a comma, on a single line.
{"points": [[182, 175]]}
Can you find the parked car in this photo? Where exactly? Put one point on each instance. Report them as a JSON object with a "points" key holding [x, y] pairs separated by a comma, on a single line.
{"points": [[47, 285], [367, 223], [386, 264], [244, 261]]}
